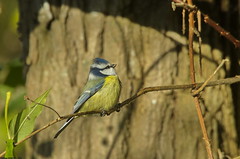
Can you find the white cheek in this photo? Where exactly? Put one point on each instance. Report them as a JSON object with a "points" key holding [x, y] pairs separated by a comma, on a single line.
{"points": [[113, 71]]}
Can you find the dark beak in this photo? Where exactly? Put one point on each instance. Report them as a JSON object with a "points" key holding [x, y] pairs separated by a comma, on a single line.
{"points": [[114, 65]]}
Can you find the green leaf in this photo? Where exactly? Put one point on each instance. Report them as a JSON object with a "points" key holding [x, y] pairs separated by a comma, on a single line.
{"points": [[8, 96], [9, 149], [23, 123]]}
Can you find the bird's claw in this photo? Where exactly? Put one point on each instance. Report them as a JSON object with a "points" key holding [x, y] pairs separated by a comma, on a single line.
{"points": [[103, 113]]}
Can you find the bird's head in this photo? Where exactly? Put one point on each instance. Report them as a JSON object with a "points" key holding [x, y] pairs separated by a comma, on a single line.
{"points": [[101, 68]]}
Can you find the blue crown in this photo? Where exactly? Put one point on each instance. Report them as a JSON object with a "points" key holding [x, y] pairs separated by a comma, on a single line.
{"points": [[100, 61]]}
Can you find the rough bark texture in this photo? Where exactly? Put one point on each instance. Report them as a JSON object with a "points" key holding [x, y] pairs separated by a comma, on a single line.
{"points": [[142, 37]]}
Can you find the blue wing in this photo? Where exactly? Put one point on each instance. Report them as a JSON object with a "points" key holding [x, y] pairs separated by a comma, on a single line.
{"points": [[90, 89], [88, 92]]}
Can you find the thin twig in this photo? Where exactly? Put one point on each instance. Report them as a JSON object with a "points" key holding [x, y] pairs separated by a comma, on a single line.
{"points": [[190, 41], [129, 100], [209, 21], [27, 98], [210, 77], [222, 31], [183, 20], [192, 75], [157, 89], [199, 28]]}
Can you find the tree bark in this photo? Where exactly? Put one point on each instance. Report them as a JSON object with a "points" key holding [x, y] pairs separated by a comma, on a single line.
{"points": [[143, 38]]}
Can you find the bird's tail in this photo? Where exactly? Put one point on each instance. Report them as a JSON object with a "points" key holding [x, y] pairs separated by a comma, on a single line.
{"points": [[64, 126]]}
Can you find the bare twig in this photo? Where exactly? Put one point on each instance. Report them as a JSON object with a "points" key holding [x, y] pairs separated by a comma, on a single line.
{"points": [[129, 100], [196, 92], [199, 17], [27, 98], [190, 39], [183, 4], [222, 31], [192, 75], [183, 20], [209, 21]]}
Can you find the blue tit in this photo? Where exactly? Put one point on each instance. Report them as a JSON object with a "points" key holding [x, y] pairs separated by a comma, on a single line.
{"points": [[101, 92]]}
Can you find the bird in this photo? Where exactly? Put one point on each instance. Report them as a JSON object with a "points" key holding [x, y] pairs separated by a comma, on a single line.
{"points": [[100, 93]]}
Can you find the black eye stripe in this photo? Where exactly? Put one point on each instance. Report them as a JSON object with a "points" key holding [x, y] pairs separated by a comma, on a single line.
{"points": [[106, 67], [101, 69]]}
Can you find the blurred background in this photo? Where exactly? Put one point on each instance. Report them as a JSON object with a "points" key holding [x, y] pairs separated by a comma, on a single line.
{"points": [[12, 60], [11, 65]]}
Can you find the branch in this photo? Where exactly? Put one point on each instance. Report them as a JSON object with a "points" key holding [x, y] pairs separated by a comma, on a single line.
{"points": [[191, 29], [210, 77], [131, 99], [222, 31], [207, 20], [143, 91]]}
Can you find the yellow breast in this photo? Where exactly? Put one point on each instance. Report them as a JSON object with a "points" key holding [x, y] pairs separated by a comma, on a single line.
{"points": [[106, 98]]}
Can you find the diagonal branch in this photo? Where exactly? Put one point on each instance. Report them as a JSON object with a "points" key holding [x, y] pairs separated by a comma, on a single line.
{"points": [[131, 99], [210, 77], [208, 20], [193, 80]]}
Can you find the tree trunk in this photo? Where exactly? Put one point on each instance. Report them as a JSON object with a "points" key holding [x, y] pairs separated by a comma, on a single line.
{"points": [[143, 38]]}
